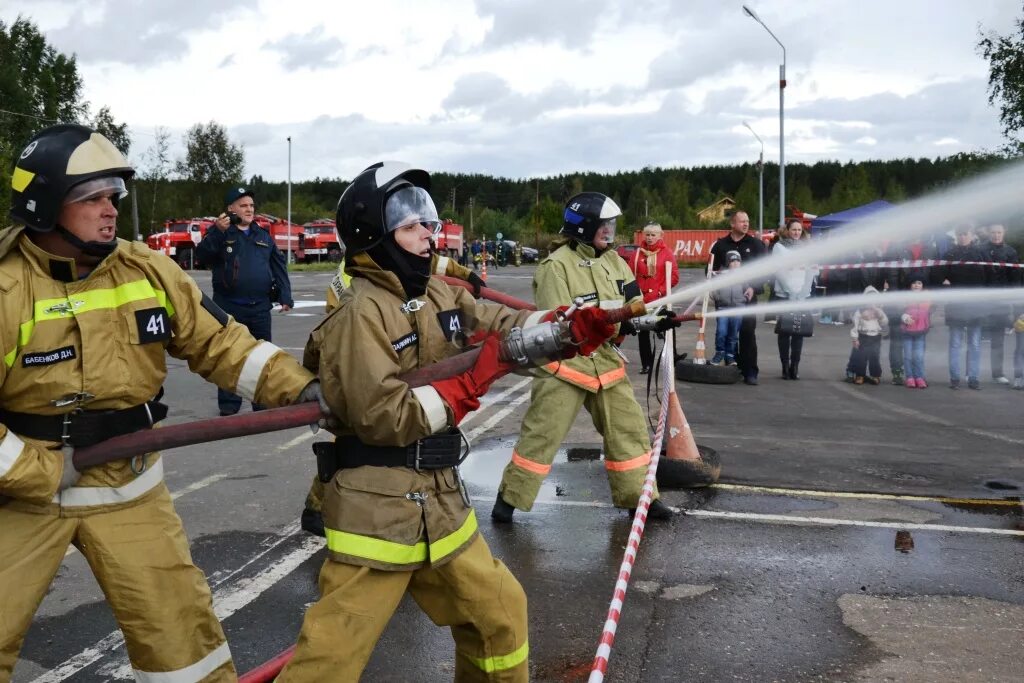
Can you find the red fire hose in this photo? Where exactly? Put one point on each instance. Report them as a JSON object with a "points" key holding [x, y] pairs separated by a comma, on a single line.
{"points": [[490, 294], [268, 671], [216, 429]]}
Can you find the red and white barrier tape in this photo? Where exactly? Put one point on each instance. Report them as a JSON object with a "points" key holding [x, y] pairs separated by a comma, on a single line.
{"points": [[604, 648], [918, 263]]}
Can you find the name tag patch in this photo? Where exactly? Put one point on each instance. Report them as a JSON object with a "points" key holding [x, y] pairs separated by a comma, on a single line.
{"points": [[153, 325], [405, 342], [587, 298], [31, 360], [451, 324]]}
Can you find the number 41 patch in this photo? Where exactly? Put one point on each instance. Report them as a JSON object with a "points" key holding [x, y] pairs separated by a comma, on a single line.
{"points": [[153, 325], [451, 324]]}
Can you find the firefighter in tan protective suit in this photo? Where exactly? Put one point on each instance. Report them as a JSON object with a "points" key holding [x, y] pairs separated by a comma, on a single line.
{"points": [[585, 267], [398, 518], [86, 321], [312, 519]]}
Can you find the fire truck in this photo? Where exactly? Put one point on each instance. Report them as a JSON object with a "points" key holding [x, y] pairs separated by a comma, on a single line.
{"points": [[449, 241], [179, 239], [322, 241], [293, 240]]}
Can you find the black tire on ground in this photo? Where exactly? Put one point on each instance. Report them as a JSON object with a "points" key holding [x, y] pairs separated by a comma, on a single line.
{"points": [[184, 258], [688, 371], [688, 474]]}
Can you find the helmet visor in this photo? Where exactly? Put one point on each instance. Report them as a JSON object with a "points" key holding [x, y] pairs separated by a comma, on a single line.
{"points": [[408, 206], [606, 230], [97, 187]]}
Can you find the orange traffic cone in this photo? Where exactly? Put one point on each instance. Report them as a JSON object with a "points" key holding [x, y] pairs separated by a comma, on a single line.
{"points": [[483, 268], [684, 464], [679, 443]]}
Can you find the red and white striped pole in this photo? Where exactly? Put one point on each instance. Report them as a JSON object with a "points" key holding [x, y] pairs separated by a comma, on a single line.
{"points": [[699, 357]]}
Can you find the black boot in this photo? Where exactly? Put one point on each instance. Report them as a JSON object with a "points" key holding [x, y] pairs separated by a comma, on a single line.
{"points": [[793, 370], [502, 512], [786, 370], [312, 521], [656, 510]]}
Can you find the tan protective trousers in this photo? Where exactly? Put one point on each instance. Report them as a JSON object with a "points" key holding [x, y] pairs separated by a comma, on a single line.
{"points": [[474, 594], [554, 405], [140, 557]]}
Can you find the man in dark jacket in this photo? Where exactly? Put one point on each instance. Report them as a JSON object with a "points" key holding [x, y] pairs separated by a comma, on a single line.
{"points": [[899, 278], [999, 319], [750, 249], [249, 273], [964, 318]]}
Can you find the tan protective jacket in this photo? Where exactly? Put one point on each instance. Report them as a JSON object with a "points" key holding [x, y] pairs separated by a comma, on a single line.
{"points": [[395, 518], [107, 335], [604, 281]]}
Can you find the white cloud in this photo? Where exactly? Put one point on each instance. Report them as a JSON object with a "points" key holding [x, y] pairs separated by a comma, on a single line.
{"points": [[537, 86]]}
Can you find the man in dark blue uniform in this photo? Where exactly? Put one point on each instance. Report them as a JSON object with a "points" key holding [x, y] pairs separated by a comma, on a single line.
{"points": [[249, 273]]}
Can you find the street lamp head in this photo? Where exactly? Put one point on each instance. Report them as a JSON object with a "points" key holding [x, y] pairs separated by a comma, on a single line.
{"points": [[751, 13]]}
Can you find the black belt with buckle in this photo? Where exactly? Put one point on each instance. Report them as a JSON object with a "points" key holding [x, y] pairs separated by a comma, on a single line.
{"points": [[80, 428], [429, 453]]}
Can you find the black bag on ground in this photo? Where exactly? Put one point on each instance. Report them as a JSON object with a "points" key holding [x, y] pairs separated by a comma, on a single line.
{"points": [[797, 324]]}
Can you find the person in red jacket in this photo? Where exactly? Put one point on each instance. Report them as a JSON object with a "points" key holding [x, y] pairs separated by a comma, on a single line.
{"points": [[648, 265]]}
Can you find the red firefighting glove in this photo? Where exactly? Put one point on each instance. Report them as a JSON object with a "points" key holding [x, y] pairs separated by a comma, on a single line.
{"points": [[590, 328], [462, 393]]}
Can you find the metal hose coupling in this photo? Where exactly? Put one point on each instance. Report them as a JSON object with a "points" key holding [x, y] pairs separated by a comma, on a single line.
{"points": [[536, 344]]}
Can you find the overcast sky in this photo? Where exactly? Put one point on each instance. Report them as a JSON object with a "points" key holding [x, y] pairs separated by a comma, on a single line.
{"points": [[526, 88]]}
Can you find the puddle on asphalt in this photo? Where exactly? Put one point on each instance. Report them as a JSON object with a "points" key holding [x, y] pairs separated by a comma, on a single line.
{"points": [[996, 485], [483, 469]]}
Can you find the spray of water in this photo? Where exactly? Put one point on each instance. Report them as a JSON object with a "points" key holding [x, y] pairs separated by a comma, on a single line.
{"points": [[988, 198], [891, 298]]}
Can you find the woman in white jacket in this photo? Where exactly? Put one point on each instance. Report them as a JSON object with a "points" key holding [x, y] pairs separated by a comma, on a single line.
{"points": [[792, 284]]}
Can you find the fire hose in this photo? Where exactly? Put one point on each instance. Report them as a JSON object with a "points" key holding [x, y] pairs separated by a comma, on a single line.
{"points": [[533, 345]]}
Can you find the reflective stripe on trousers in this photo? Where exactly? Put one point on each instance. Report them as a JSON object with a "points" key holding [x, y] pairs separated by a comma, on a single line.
{"points": [[390, 552]]}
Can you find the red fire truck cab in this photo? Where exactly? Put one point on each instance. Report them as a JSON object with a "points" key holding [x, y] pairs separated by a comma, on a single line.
{"points": [[179, 239], [286, 239], [450, 240], [322, 241]]}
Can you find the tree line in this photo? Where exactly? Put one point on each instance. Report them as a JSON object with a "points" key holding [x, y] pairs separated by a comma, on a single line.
{"points": [[40, 86]]}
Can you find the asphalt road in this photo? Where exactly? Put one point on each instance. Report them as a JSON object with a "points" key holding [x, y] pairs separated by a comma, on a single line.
{"points": [[789, 570]]}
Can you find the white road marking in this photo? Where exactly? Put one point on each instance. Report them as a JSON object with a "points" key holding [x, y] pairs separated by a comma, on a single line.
{"points": [[826, 521], [925, 417], [226, 601]]}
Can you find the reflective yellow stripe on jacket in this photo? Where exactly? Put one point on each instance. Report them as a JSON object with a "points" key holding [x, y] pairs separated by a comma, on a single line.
{"points": [[83, 302], [398, 553]]}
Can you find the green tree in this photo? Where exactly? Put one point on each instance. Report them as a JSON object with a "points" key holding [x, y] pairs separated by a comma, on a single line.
{"points": [[211, 162], [1005, 55], [38, 87], [852, 188], [117, 133]]}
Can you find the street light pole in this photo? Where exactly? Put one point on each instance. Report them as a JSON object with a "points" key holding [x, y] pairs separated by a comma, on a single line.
{"points": [[782, 117], [289, 199], [760, 184]]}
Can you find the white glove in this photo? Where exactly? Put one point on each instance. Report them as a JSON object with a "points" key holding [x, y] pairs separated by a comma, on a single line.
{"points": [[907, 319], [69, 476], [312, 393]]}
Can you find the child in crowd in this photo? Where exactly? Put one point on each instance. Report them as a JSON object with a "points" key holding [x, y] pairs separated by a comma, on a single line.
{"points": [[727, 331], [1018, 353], [869, 323], [915, 323]]}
